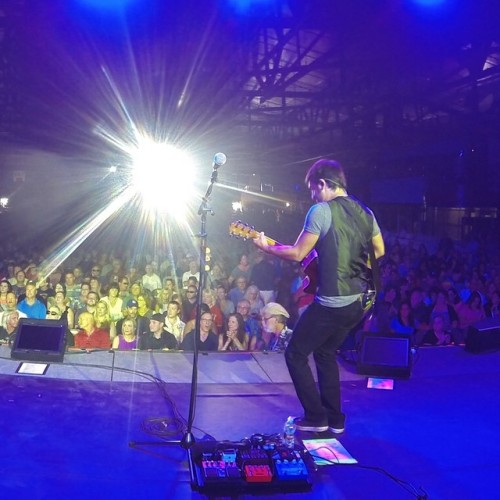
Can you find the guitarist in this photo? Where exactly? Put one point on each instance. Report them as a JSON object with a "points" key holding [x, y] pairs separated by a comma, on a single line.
{"points": [[341, 229]]}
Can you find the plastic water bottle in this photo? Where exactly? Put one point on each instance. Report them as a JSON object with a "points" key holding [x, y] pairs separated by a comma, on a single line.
{"points": [[289, 433]]}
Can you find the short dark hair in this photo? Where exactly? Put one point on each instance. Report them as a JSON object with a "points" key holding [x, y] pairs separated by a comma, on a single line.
{"points": [[329, 170], [9, 286]]}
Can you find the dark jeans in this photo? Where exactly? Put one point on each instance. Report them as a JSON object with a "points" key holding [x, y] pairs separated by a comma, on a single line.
{"points": [[320, 330]]}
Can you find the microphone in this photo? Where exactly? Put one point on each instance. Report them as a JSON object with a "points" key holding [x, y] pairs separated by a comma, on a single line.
{"points": [[219, 160]]}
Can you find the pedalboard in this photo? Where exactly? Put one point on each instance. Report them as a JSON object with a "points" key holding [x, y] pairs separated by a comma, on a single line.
{"points": [[221, 468]]}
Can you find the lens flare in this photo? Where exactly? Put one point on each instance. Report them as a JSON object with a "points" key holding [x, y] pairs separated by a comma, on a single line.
{"points": [[163, 175]]}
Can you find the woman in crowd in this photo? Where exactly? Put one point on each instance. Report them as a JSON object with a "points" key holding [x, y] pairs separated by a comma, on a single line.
{"points": [[209, 298], [217, 275], [445, 310], [438, 334], [235, 338], [102, 319], [127, 340], [62, 302], [81, 301], [136, 289], [143, 306], [155, 299], [252, 294], [5, 288], [403, 323], [243, 269], [163, 300], [114, 302], [471, 311], [387, 308], [226, 306]]}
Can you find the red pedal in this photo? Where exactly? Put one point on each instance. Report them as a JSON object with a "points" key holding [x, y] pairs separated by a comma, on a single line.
{"points": [[258, 473]]}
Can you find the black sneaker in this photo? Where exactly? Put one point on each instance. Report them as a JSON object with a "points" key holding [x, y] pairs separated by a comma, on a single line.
{"points": [[336, 429], [337, 425], [304, 425]]}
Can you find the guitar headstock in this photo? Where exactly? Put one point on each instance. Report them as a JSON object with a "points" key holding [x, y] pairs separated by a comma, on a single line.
{"points": [[242, 230]]}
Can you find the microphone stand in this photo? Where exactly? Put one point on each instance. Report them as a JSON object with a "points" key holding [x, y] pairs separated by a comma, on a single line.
{"points": [[187, 441]]}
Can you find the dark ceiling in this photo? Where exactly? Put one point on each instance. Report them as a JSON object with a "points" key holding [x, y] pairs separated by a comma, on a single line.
{"points": [[392, 88]]}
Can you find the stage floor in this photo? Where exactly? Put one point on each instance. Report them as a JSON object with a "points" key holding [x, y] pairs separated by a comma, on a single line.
{"points": [[68, 432]]}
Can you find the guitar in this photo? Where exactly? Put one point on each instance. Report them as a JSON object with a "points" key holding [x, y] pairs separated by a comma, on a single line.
{"points": [[309, 264]]}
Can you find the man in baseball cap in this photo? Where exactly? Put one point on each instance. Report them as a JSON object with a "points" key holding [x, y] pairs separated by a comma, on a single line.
{"points": [[275, 334], [131, 312], [157, 337]]}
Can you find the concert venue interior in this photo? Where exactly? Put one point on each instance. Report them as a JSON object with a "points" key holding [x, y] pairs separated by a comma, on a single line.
{"points": [[111, 112]]}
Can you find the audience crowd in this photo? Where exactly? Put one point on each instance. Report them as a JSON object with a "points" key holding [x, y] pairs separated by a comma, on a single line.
{"points": [[250, 302]]}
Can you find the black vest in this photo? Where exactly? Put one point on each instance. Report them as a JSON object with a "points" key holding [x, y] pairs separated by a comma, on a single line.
{"points": [[343, 252]]}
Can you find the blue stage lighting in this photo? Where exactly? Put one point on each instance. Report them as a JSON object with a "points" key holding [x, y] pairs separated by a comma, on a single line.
{"points": [[107, 4], [430, 3], [247, 6]]}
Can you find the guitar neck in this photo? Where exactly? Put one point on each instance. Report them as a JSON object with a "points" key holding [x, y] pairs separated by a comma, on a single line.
{"points": [[270, 241], [242, 230]]}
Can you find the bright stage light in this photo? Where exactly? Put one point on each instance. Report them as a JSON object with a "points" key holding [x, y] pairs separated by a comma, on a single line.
{"points": [[4, 202], [164, 176]]}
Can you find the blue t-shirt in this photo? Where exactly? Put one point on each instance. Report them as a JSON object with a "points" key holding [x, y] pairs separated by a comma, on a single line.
{"points": [[34, 311]]}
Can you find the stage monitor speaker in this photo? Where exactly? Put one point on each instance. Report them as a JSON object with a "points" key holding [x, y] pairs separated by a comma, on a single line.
{"points": [[483, 336], [384, 356], [40, 340]]}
